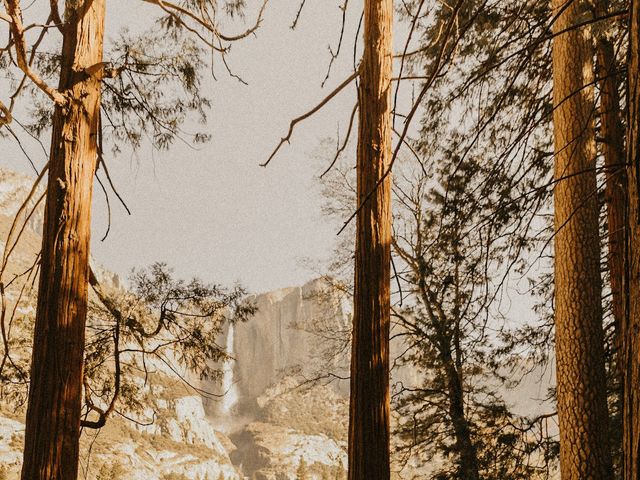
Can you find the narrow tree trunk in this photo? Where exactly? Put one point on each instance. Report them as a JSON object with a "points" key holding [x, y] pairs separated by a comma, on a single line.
{"points": [[581, 391], [468, 459], [631, 327], [53, 415], [369, 411], [613, 151]]}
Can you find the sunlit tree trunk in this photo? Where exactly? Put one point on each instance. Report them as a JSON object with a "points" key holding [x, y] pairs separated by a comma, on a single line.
{"points": [[581, 391], [369, 411], [631, 327], [53, 415]]}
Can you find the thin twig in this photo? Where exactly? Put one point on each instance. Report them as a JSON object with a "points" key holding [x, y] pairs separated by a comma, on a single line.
{"points": [[306, 115]]}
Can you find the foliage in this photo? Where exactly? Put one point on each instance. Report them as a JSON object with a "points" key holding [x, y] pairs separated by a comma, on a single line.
{"points": [[161, 324], [470, 210], [153, 78]]}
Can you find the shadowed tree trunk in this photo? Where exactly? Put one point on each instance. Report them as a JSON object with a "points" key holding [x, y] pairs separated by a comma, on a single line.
{"points": [[369, 410], [53, 415], [631, 327], [468, 462], [447, 342], [581, 392], [613, 151]]}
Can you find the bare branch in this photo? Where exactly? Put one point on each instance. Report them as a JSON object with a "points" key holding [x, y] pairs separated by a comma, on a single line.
{"points": [[32, 58], [55, 14], [5, 115], [174, 9], [25, 204], [298, 13], [308, 114], [334, 55], [440, 60], [344, 143], [20, 45]]}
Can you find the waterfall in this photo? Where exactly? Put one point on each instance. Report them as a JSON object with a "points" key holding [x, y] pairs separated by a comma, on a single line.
{"points": [[228, 385]]}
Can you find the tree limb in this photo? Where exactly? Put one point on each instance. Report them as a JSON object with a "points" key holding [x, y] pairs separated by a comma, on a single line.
{"points": [[306, 115], [20, 45]]}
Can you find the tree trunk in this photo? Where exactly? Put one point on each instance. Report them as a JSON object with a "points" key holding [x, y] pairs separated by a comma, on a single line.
{"points": [[581, 391], [53, 416], [369, 410], [613, 151], [631, 326], [468, 459]]}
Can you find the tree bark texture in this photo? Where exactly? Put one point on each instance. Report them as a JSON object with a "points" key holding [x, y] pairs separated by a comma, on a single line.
{"points": [[369, 409], [631, 327], [53, 415], [613, 151], [581, 391]]}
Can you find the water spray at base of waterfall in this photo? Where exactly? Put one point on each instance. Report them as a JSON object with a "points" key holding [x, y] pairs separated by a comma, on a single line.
{"points": [[228, 384]]}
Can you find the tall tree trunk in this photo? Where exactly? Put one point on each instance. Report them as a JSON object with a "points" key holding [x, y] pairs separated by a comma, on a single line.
{"points": [[369, 410], [631, 327], [581, 391], [53, 415], [613, 151]]}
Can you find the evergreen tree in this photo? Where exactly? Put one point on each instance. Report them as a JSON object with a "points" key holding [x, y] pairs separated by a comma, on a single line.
{"points": [[302, 472], [631, 325]]}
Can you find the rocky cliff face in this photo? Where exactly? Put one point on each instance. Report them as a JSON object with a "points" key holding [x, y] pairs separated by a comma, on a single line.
{"points": [[14, 189], [279, 407], [293, 333], [179, 444]]}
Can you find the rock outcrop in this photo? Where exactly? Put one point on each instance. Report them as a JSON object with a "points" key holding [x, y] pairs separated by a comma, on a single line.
{"points": [[294, 332]]}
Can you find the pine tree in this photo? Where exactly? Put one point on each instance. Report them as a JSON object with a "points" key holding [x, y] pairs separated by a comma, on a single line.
{"points": [[52, 431], [302, 472]]}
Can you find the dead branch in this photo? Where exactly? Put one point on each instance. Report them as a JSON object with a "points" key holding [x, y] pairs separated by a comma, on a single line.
{"points": [[32, 58], [20, 45], [55, 14], [344, 143], [432, 77], [12, 229], [334, 55], [5, 115], [174, 9], [308, 114], [298, 13]]}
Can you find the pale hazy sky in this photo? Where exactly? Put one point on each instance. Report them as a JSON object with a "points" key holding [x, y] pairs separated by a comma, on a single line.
{"points": [[213, 212]]}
